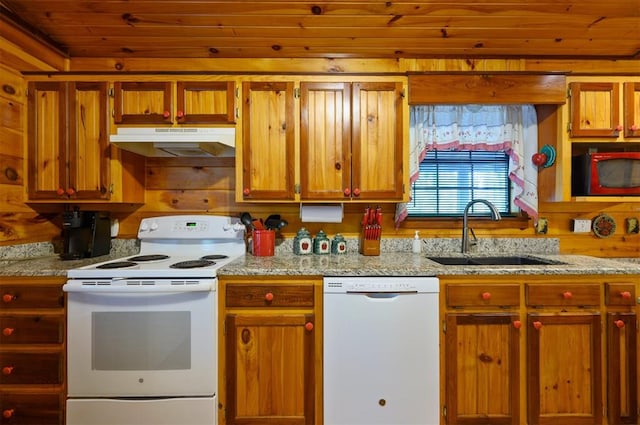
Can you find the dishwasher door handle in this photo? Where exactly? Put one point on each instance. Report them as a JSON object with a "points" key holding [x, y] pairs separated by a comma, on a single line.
{"points": [[382, 295]]}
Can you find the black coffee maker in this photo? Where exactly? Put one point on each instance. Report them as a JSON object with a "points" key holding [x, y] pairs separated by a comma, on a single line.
{"points": [[86, 234]]}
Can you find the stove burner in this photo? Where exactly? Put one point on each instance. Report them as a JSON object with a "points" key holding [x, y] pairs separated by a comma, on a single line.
{"points": [[117, 265], [191, 264], [214, 257], [152, 257]]}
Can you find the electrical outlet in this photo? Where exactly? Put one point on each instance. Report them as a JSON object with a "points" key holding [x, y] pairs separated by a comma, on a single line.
{"points": [[542, 226], [581, 226]]}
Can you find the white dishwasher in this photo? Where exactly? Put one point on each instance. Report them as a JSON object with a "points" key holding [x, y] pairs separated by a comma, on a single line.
{"points": [[381, 351]]}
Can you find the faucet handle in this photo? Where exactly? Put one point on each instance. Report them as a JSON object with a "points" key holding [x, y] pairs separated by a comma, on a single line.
{"points": [[474, 241]]}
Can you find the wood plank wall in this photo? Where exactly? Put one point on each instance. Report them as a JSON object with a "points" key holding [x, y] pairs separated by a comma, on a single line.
{"points": [[180, 186]]}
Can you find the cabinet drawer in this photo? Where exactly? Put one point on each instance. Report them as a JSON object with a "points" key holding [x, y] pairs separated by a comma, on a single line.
{"points": [[30, 368], [32, 329], [31, 409], [482, 295], [29, 296], [562, 295], [269, 295], [620, 293]]}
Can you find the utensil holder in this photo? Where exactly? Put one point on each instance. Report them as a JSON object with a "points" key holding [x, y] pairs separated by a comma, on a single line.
{"points": [[264, 243], [369, 246]]}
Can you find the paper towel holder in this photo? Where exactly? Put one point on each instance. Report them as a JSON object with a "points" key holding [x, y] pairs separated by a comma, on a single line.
{"points": [[321, 213]]}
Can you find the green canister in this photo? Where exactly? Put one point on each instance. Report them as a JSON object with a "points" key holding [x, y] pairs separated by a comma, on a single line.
{"points": [[302, 244], [321, 244], [338, 244]]}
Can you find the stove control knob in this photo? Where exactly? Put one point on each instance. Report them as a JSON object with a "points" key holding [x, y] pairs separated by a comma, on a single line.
{"points": [[144, 226], [154, 226]]}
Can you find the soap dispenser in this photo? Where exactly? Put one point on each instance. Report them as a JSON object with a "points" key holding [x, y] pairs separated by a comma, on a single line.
{"points": [[417, 248]]}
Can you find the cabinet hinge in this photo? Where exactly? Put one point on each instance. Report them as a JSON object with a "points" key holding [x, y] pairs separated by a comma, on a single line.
{"points": [[568, 126], [237, 92], [444, 411], [296, 188], [296, 92], [569, 93], [444, 326], [112, 93], [237, 113], [111, 188], [402, 94], [404, 188]]}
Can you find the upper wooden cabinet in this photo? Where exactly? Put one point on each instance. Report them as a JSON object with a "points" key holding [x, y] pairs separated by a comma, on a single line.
{"points": [[68, 148], [69, 156], [268, 142], [597, 109], [350, 145], [151, 102], [351, 141]]}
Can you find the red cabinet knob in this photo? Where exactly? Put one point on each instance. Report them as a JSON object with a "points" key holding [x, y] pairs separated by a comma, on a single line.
{"points": [[7, 298], [567, 295], [308, 326], [59, 191], [619, 127], [166, 114], [7, 370], [7, 413], [634, 127], [180, 114], [7, 331], [486, 296], [347, 192], [517, 324], [626, 295], [356, 192], [268, 296], [246, 191], [70, 191], [537, 325], [619, 323]]}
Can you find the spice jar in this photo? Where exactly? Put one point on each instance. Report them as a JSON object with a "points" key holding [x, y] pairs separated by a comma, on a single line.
{"points": [[302, 242], [321, 244]]}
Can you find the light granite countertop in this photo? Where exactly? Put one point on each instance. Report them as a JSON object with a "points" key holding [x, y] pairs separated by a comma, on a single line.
{"points": [[395, 259], [352, 264]]}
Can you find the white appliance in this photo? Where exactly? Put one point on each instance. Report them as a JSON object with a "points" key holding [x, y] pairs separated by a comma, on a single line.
{"points": [[142, 330], [381, 351], [176, 141]]}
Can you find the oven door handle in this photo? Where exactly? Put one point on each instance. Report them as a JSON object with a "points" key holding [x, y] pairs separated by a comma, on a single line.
{"points": [[131, 286]]}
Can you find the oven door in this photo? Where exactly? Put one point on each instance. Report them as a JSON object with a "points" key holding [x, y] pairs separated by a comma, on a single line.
{"points": [[127, 343]]}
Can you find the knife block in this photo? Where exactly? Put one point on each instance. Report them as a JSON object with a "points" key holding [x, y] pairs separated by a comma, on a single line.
{"points": [[369, 246]]}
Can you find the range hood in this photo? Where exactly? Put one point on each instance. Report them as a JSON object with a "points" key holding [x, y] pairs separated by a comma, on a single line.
{"points": [[176, 141]]}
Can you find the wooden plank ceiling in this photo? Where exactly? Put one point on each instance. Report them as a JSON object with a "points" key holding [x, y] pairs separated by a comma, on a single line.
{"points": [[334, 28]]}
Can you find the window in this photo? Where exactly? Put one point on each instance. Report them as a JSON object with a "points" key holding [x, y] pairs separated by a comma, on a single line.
{"points": [[450, 179]]}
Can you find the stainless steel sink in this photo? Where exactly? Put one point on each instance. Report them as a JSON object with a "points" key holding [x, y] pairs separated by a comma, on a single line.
{"points": [[514, 260]]}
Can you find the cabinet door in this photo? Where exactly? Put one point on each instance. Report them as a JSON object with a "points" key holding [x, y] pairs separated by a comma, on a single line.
{"points": [[31, 409], [325, 141], [632, 109], [482, 369], [622, 358], [564, 369], [377, 141], [268, 137], [89, 151], [47, 134], [142, 102], [204, 102], [595, 109], [270, 369]]}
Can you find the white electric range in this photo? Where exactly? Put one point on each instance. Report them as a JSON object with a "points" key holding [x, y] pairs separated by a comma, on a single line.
{"points": [[142, 330]]}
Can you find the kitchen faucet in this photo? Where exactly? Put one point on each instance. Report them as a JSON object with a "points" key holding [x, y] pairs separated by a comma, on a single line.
{"points": [[495, 215]]}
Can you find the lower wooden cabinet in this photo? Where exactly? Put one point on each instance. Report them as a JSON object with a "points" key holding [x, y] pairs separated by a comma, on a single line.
{"points": [[270, 351], [32, 351], [540, 350]]}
